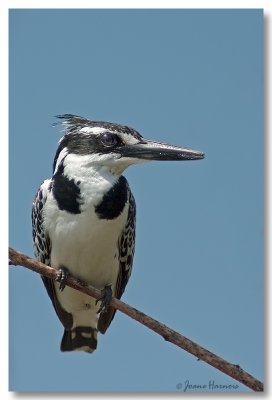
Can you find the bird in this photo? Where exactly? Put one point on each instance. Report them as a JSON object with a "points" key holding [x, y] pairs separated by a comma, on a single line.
{"points": [[83, 220]]}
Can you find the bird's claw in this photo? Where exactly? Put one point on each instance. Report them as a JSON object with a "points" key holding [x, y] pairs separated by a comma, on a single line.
{"points": [[106, 296], [62, 276]]}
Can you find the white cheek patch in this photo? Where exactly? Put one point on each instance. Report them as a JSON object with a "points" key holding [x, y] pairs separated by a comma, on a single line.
{"points": [[75, 164], [96, 130]]}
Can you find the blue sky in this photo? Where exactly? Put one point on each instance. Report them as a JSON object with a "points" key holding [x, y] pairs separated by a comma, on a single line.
{"points": [[187, 77]]}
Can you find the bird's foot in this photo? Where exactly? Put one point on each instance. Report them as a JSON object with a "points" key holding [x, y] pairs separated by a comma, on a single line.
{"points": [[62, 276], [106, 296]]}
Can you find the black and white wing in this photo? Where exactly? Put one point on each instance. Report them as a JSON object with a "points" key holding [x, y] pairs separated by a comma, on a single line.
{"points": [[126, 252], [127, 248], [42, 249], [41, 241]]}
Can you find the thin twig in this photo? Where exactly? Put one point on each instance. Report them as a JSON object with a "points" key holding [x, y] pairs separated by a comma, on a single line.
{"points": [[234, 371]]}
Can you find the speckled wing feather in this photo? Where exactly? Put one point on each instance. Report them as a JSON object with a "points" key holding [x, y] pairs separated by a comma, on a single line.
{"points": [[126, 252], [42, 249], [42, 245]]}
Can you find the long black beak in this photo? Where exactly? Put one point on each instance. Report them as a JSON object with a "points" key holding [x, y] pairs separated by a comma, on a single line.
{"points": [[150, 150]]}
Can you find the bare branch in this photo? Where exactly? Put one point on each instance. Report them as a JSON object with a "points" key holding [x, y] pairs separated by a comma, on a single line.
{"points": [[234, 371]]}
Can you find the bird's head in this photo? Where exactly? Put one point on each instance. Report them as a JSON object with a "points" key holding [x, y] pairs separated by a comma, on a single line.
{"points": [[114, 146]]}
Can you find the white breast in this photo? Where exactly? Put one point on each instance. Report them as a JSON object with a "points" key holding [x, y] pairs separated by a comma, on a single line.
{"points": [[85, 244]]}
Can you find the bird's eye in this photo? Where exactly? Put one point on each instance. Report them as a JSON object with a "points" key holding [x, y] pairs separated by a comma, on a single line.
{"points": [[109, 139]]}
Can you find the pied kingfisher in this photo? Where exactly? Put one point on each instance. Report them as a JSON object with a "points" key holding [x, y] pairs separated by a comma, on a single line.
{"points": [[83, 220]]}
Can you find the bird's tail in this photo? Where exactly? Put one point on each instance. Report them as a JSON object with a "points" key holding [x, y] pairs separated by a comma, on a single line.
{"points": [[81, 338]]}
